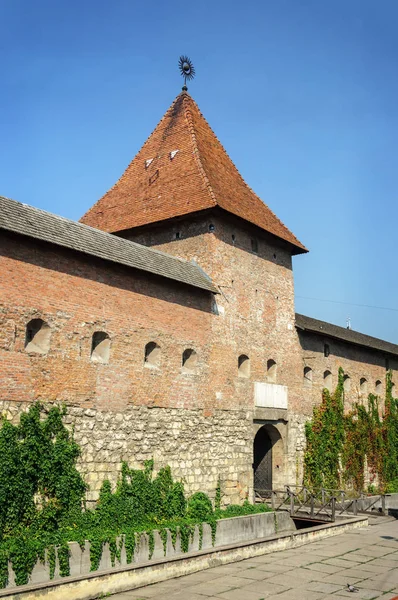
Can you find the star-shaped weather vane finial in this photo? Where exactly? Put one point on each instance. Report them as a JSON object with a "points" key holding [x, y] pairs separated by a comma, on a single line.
{"points": [[187, 70]]}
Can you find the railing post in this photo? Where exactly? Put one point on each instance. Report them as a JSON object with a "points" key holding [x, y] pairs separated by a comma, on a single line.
{"points": [[355, 506], [333, 508], [312, 505], [291, 503], [383, 505], [323, 495], [273, 500]]}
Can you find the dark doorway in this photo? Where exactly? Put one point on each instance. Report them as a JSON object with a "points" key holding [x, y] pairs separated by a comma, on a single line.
{"points": [[262, 463]]}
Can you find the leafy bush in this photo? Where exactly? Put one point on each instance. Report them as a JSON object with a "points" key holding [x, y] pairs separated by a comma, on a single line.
{"points": [[238, 510], [199, 507]]}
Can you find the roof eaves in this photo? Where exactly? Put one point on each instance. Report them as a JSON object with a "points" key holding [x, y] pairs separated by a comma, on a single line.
{"points": [[100, 244], [303, 323]]}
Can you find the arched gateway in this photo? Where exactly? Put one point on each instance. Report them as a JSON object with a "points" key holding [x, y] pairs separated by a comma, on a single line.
{"points": [[262, 463], [267, 455]]}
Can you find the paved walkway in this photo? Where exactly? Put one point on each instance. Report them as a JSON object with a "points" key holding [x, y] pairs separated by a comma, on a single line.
{"points": [[366, 558]]}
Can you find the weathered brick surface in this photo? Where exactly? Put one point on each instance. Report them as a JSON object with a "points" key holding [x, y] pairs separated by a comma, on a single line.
{"points": [[200, 422]]}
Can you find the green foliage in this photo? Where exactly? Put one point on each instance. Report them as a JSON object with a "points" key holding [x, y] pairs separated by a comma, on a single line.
{"points": [[42, 508], [340, 446], [239, 510], [325, 439], [199, 507], [39, 482], [217, 499]]}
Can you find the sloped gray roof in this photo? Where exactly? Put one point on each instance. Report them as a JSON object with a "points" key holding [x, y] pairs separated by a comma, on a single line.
{"points": [[41, 225], [346, 335]]}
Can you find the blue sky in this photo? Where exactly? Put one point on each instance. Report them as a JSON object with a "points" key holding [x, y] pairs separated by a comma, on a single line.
{"points": [[302, 93]]}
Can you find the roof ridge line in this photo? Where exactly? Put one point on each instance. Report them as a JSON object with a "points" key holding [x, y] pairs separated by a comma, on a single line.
{"points": [[196, 152], [236, 171], [139, 150]]}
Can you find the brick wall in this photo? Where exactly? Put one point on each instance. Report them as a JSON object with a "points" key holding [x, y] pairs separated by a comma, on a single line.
{"points": [[200, 422]]}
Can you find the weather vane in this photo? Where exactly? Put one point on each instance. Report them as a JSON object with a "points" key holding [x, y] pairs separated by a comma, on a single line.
{"points": [[187, 70]]}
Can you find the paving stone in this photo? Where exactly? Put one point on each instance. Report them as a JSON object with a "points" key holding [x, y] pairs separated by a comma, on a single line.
{"points": [[362, 594], [372, 568], [305, 575], [257, 574], [353, 573], [239, 595], [385, 562], [292, 595], [323, 567], [209, 588], [274, 567], [231, 580], [340, 562], [342, 579], [319, 586], [264, 586]]}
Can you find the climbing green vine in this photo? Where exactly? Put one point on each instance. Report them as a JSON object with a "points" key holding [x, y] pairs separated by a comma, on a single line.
{"points": [[42, 502], [340, 447]]}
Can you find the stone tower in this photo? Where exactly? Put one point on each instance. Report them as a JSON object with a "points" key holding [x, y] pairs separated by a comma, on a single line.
{"points": [[183, 194]]}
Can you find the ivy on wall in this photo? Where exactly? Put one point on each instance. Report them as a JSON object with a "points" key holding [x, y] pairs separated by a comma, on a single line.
{"points": [[341, 446], [42, 501]]}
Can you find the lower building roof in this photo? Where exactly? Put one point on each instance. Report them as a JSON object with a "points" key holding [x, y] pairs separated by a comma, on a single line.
{"points": [[41, 225], [347, 335]]}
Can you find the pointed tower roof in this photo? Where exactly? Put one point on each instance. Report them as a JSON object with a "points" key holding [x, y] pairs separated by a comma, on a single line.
{"points": [[181, 169]]}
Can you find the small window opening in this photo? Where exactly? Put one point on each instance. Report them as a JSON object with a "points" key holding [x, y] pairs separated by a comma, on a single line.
{"points": [[307, 376], [363, 385], [347, 383], [378, 387], [254, 245], [100, 347], [37, 338], [326, 350], [274, 256], [178, 235], [211, 227], [327, 380], [244, 366], [152, 355], [271, 370], [233, 238], [189, 359]]}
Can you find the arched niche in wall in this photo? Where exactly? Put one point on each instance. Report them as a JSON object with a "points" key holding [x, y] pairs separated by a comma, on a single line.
{"points": [[189, 359], [363, 386], [152, 355], [100, 347], [347, 383], [307, 376], [244, 366], [271, 370], [37, 336], [328, 380]]}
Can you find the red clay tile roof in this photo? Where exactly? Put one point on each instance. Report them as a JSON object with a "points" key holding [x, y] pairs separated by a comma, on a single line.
{"points": [[157, 185]]}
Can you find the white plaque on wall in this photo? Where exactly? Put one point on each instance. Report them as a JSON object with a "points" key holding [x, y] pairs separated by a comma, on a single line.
{"points": [[270, 395]]}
